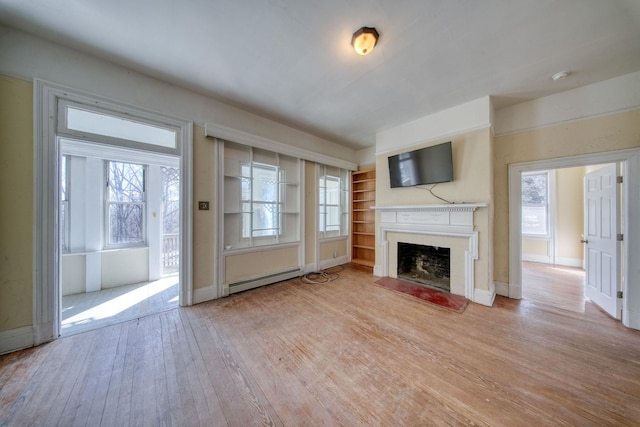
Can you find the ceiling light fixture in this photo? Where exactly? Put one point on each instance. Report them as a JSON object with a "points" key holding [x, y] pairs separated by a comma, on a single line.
{"points": [[559, 76], [364, 40]]}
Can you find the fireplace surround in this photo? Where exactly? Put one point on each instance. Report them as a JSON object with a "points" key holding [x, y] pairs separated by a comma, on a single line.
{"points": [[443, 225]]}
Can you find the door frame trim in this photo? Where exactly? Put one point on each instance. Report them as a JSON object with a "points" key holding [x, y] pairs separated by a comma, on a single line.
{"points": [[630, 160], [46, 252]]}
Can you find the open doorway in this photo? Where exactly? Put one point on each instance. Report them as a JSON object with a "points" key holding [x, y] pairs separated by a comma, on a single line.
{"points": [[552, 228], [562, 217], [119, 235], [630, 188]]}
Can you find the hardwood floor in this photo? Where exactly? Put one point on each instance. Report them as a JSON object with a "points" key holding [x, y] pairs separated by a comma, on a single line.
{"points": [[344, 353], [555, 285]]}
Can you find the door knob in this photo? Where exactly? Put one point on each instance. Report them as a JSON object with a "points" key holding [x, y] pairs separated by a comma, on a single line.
{"points": [[584, 241]]}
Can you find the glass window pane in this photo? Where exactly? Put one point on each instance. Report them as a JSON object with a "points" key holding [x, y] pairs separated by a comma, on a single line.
{"points": [[126, 182], [116, 127], [534, 189], [534, 220], [125, 223]]}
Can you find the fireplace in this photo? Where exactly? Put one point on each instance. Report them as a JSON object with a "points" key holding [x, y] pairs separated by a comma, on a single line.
{"points": [[427, 265], [441, 226]]}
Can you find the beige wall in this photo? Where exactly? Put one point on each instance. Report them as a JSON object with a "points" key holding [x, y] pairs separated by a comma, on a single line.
{"points": [[472, 183], [16, 201], [204, 222], [606, 133]]}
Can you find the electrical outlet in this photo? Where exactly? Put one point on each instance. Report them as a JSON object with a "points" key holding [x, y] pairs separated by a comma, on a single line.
{"points": [[203, 206], [335, 254]]}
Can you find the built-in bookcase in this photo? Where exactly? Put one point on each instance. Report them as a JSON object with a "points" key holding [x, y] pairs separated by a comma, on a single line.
{"points": [[363, 196]]}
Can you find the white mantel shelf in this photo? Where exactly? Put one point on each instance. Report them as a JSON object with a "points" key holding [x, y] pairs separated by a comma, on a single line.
{"points": [[456, 207]]}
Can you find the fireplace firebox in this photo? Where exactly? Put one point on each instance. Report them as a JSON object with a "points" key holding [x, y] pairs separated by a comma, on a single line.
{"points": [[427, 265]]}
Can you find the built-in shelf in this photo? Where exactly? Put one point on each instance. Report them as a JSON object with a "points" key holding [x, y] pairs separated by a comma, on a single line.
{"points": [[363, 197]]}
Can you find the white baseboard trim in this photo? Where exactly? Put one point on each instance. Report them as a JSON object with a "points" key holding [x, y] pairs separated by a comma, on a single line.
{"points": [[631, 319], [16, 339], [332, 262], [570, 262], [310, 268], [204, 294], [502, 289], [484, 297], [536, 258]]}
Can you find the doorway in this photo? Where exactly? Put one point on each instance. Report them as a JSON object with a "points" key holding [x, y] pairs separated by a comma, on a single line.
{"points": [[61, 113], [119, 235], [553, 235], [630, 161]]}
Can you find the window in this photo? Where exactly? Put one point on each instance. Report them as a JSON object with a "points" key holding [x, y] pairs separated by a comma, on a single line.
{"points": [[125, 204], [535, 203], [110, 125], [332, 202], [261, 199]]}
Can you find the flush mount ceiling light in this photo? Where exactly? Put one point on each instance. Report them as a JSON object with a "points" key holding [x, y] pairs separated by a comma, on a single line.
{"points": [[364, 40], [559, 76]]}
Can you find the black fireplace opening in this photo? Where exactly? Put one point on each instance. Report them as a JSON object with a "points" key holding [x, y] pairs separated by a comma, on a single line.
{"points": [[426, 265]]}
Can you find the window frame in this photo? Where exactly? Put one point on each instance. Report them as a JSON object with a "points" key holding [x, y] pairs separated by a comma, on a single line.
{"points": [[108, 203], [342, 205], [65, 231], [251, 202]]}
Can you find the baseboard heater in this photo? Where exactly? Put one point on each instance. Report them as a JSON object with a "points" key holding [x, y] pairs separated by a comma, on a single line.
{"points": [[265, 280]]}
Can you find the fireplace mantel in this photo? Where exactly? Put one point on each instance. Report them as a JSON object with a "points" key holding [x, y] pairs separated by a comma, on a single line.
{"points": [[447, 220], [452, 216]]}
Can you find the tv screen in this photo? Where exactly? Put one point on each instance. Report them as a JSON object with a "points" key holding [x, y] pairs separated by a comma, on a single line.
{"points": [[429, 165]]}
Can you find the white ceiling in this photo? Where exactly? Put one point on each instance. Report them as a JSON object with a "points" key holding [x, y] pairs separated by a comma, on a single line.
{"points": [[291, 60]]}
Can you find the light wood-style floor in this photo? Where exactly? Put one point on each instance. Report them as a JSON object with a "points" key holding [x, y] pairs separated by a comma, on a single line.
{"points": [[554, 285], [345, 353]]}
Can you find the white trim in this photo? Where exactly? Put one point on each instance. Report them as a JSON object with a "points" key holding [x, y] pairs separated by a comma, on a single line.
{"points": [[16, 339], [205, 294], [631, 187], [501, 288], [570, 262], [484, 297], [246, 138], [115, 153], [46, 286], [544, 259], [262, 281]]}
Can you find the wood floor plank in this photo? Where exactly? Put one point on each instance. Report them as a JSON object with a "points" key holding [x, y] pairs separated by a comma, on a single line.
{"points": [[344, 353]]}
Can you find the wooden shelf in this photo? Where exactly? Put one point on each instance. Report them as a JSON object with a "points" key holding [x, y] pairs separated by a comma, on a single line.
{"points": [[363, 196]]}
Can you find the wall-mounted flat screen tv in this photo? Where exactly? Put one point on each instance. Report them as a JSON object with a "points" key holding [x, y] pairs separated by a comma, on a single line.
{"points": [[429, 165]]}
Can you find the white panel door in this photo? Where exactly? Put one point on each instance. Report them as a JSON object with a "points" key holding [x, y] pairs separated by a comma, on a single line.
{"points": [[600, 237]]}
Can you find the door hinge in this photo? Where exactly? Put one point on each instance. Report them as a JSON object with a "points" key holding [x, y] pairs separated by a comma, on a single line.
{"points": [[620, 237], [619, 179], [620, 294]]}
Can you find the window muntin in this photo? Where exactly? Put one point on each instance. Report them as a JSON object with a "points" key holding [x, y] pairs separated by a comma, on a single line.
{"points": [[535, 203], [110, 125], [332, 202], [125, 204]]}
